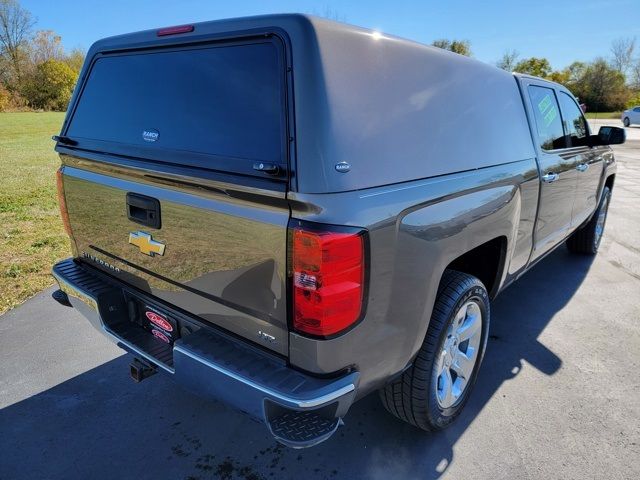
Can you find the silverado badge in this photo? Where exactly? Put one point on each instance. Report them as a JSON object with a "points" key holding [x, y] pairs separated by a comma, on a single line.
{"points": [[146, 244]]}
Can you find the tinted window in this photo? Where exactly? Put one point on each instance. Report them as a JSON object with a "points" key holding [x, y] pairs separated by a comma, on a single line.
{"points": [[637, 109], [547, 117], [223, 101], [574, 123]]}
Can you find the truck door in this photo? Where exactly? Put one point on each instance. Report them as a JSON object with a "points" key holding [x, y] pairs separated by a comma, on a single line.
{"points": [[589, 162], [557, 166]]}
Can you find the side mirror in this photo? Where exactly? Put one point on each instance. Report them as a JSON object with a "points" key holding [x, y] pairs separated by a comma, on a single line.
{"points": [[611, 136]]}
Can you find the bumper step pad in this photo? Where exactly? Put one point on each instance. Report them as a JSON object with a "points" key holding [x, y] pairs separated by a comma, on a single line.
{"points": [[303, 428]]}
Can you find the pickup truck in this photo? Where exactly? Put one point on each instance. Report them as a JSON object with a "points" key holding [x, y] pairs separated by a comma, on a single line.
{"points": [[288, 213]]}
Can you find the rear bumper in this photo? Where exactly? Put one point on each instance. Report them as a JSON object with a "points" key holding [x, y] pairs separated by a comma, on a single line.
{"points": [[300, 410]]}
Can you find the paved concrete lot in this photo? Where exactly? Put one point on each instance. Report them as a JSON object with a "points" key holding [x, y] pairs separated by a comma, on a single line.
{"points": [[558, 394]]}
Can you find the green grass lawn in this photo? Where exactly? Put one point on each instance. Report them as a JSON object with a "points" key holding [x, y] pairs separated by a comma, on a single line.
{"points": [[603, 115], [31, 233]]}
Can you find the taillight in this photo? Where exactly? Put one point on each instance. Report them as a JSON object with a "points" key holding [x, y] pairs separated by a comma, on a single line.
{"points": [[328, 278], [62, 203]]}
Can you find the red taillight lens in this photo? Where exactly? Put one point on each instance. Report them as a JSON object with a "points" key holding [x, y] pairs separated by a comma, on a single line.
{"points": [[62, 203], [175, 30], [328, 280]]}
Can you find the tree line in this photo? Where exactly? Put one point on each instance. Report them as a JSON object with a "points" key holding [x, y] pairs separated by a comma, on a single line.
{"points": [[604, 84], [36, 73]]}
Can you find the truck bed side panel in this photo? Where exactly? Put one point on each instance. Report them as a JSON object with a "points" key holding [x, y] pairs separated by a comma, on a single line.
{"points": [[416, 229]]}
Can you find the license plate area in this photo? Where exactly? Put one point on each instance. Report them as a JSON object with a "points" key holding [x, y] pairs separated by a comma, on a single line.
{"points": [[149, 327], [158, 323]]}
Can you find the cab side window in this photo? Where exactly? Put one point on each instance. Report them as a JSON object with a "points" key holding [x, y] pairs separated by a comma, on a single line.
{"points": [[574, 123], [547, 116]]}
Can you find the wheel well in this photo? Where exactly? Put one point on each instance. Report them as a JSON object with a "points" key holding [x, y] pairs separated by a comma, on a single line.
{"points": [[485, 262], [609, 181]]}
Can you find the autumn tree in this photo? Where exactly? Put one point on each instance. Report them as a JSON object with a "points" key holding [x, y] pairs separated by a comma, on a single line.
{"points": [[5, 98], [538, 67], [16, 24], [508, 60], [559, 76], [601, 87], [51, 86], [75, 59], [634, 78], [575, 71], [622, 51], [46, 45], [462, 47]]}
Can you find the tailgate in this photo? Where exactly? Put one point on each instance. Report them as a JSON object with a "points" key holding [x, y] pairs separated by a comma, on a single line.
{"points": [[164, 151], [224, 258]]}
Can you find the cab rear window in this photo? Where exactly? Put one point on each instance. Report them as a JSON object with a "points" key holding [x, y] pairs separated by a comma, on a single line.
{"points": [[218, 107]]}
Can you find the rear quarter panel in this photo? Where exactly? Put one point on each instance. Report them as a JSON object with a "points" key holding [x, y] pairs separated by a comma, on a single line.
{"points": [[416, 229]]}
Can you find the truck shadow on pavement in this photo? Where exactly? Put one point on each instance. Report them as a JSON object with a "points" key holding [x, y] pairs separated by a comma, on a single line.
{"points": [[101, 425]]}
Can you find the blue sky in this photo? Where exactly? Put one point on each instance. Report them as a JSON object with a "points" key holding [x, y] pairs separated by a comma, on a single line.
{"points": [[561, 30]]}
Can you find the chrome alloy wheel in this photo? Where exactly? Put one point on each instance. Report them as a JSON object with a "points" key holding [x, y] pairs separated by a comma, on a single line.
{"points": [[602, 219], [458, 354]]}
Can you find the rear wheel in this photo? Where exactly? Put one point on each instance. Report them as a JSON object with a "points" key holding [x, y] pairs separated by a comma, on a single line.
{"points": [[588, 237], [626, 122], [433, 391]]}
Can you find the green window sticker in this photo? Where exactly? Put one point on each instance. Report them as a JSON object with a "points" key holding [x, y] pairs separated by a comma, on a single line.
{"points": [[548, 110], [550, 116], [544, 104]]}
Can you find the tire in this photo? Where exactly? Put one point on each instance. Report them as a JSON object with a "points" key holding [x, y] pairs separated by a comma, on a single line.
{"points": [[586, 240], [416, 396], [626, 122]]}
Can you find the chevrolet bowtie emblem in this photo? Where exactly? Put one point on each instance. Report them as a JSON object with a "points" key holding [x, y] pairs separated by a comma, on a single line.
{"points": [[146, 244]]}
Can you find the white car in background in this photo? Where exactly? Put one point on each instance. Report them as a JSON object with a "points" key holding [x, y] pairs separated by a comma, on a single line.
{"points": [[630, 116]]}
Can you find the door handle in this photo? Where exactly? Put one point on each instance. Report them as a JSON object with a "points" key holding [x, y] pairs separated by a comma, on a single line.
{"points": [[583, 167], [550, 177], [143, 210]]}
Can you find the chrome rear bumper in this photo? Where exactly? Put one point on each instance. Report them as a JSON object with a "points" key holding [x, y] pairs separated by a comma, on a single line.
{"points": [[300, 410]]}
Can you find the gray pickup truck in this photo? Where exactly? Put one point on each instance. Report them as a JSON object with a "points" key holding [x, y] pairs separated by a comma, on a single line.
{"points": [[288, 213]]}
